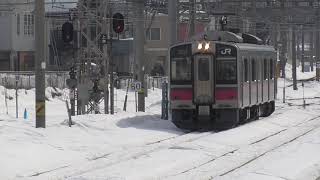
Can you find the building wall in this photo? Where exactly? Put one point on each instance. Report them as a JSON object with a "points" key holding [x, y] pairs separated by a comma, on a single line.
{"points": [[156, 50], [6, 31]]}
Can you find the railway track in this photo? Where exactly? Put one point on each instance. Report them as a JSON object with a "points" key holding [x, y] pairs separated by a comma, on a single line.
{"points": [[212, 170], [105, 161], [109, 159]]}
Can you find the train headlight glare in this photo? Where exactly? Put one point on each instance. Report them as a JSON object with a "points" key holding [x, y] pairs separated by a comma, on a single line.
{"points": [[199, 46], [207, 46]]}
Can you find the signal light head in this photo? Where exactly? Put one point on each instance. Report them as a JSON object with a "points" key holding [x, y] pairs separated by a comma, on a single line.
{"points": [[118, 22]]}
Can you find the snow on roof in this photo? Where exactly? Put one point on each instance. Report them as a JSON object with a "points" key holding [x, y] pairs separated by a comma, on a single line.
{"points": [[60, 5]]}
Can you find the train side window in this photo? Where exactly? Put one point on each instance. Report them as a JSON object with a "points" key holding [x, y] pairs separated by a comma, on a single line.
{"points": [[253, 70], [271, 69], [265, 69], [246, 72]]}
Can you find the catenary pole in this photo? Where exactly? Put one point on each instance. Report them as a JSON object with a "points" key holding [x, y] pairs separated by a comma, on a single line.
{"points": [[139, 49], [106, 57], [172, 21], [192, 18], [40, 64]]}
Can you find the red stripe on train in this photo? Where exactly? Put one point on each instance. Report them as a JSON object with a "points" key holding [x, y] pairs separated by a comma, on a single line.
{"points": [[181, 94], [226, 93]]}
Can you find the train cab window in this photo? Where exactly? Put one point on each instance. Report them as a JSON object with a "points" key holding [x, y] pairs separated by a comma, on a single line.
{"points": [[271, 69], [203, 69], [265, 69], [226, 72], [181, 69], [246, 70], [253, 70]]}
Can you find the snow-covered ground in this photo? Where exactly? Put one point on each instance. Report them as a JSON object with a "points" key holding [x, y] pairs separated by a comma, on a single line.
{"points": [[131, 145]]}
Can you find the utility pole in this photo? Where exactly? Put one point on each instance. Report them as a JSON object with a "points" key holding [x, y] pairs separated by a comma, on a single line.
{"points": [[302, 49], [172, 21], [294, 59], [192, 17], [139, 49], [111, 64], [40, 65], [317, 47]]}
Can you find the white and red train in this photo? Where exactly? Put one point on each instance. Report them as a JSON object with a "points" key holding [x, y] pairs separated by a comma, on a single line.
{"points": [[220, 80]]}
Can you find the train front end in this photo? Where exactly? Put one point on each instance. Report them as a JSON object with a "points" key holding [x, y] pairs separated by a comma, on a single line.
{"points": [[203, 85]]}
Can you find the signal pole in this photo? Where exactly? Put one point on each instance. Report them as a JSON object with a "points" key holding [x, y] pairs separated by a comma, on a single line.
{"points": [[40, 64], [294, 58]]}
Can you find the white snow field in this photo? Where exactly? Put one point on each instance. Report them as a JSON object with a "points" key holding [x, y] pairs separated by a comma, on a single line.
{"points": [[131, 145]]}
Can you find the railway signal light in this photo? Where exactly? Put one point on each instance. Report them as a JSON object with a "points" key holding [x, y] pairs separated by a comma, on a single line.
{"points": [[118, 23], [67, 32], [223, 22]]}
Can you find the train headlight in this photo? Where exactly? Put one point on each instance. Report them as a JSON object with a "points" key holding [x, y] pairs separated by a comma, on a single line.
{"points": [[207, 46], [199, 46]]}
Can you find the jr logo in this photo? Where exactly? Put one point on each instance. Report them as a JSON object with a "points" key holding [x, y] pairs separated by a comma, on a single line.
{"points": [[226, 51]]}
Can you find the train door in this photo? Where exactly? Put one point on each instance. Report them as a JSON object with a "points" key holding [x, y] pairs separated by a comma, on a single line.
{"points": [[245, 84], [253, 82], [271, 79], [265, 82], [203, 80], [260, 79]]}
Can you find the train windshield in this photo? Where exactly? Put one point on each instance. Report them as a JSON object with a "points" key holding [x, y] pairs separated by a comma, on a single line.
{"points": [[180, 69], [203, 69], [226, 72], [180, 59]]}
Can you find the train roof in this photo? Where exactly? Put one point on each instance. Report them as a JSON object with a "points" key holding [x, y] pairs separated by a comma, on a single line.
{"points": [[242, 41], [239, 46], [253, 47]]}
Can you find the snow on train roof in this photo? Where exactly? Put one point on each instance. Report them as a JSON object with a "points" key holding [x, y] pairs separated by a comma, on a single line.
{"points": [[255, 47]]}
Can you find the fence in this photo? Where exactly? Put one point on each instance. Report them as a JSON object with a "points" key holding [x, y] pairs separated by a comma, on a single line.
{"points": [[26, 80], [152, 82]]}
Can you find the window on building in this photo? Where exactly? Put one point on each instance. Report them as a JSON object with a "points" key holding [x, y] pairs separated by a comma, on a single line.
{"points": [[25, 27], [28, 24], [153, 34], [18, 24]]}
